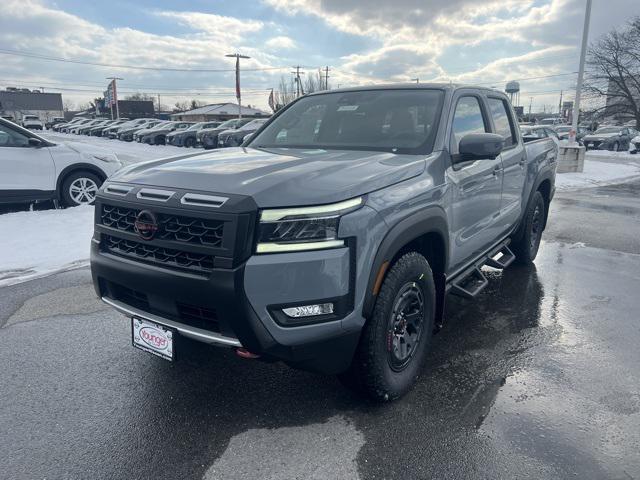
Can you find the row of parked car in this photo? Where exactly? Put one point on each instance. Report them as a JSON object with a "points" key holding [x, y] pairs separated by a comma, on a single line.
{"points": [[606, 137], [213, 134]]}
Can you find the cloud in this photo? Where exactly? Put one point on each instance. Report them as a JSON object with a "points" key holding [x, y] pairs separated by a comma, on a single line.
{"points": [[218, 26], [429, 39], [280, 43], [33, 26], [458, 40]]}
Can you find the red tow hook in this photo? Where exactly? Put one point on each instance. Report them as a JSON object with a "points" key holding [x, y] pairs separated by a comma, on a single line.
{"points": [[244, 353]]}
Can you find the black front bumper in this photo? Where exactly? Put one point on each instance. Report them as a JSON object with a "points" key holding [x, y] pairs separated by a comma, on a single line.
{"points": [[223, 292]]}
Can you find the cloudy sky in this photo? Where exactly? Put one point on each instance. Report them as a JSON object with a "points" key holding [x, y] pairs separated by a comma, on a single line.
{"points": [[362, 41]]}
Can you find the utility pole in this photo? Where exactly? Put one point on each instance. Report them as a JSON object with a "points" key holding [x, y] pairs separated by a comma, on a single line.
{"points": [[237, 56], [115, 94], [583, 51], [560, 105], [326, 77], [159, 104], [297, 74], [530, 102]]}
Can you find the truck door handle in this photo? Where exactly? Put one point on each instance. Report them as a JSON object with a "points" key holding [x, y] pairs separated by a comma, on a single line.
{"points": [[496, 171], [521, 162]]}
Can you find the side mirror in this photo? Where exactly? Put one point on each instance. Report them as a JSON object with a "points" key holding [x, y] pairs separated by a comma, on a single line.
{"points": [[35, 142], [480, 146]]}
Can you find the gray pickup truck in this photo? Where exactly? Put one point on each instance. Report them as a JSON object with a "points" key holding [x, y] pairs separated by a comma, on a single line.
{"points": [[332, 237]]}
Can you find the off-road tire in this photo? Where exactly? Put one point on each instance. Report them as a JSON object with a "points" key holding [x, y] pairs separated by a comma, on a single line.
{"points": [[371, 371], [526, 247]]}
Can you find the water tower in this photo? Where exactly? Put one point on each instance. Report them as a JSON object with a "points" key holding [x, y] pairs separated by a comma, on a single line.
{"points": [[513, 89]]}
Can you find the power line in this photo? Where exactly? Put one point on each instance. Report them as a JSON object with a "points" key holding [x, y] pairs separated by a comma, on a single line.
{"points": [[133, 67], [150, 91], [155, 88]]}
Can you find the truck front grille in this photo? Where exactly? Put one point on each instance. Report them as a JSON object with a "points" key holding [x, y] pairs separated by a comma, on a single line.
{"points": [[166, 257], [192, 315], [178, 228]]}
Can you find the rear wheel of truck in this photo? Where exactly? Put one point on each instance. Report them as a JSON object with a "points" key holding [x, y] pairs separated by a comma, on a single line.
{"points": [[394, 342], [526, 248]]}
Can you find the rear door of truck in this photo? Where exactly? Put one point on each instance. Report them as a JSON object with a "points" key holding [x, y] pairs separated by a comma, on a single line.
{"points": [[513, 160]]}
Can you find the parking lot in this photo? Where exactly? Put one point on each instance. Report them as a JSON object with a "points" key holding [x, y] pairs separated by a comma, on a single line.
{"points": [[536, 379]]}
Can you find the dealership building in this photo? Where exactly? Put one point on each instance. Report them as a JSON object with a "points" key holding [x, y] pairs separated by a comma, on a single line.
{"points": [[218, 111], [16, 103]]}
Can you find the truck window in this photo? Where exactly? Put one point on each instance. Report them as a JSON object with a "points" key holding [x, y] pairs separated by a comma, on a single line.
{"points": [[502, 120], [397, 121], [467, 119]]}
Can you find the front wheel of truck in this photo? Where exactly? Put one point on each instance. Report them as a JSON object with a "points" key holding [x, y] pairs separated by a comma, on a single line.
{"points": [[526, 247], [394, 342]]}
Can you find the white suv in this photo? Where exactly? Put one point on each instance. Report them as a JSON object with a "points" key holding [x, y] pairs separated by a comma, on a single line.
{"points": [[32, 122], [34, 169]]}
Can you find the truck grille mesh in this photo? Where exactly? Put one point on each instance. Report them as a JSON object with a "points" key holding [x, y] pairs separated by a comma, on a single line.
{"points": [[176, 228], [168, 257]]}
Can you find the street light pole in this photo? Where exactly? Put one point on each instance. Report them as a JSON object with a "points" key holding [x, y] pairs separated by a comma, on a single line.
{"points": [[583, 52], [237, 56]]}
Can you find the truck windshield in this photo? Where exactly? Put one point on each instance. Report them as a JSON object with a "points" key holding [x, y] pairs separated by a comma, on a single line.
{"points": [[397, 121]]}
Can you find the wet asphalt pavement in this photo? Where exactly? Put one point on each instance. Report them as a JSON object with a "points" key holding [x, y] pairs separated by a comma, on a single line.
{"points": [[538, 378]]}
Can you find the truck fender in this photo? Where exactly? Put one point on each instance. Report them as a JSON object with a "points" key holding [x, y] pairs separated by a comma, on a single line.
{"points": [[429, 220], [546, 174]]}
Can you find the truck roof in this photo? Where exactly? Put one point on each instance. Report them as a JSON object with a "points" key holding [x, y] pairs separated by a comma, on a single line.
{"points": [[414, 86]]}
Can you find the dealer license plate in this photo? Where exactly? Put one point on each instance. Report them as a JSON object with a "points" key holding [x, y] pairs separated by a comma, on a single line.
{"points": [[153, 338]]}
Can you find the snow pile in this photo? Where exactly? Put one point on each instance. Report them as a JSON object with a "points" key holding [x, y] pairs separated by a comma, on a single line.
{"points": [[597, 173], [35, 244]]}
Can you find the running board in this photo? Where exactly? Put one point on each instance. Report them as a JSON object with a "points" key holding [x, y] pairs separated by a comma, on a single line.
{"points": [[502, 259], [472, 281], [471, 284]]}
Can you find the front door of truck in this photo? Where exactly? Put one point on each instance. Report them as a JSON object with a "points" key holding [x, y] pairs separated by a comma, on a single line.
{"points": [[476, 185]]}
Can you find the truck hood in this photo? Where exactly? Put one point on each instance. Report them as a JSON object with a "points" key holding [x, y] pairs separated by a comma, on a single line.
{"points": [[278, 177]]}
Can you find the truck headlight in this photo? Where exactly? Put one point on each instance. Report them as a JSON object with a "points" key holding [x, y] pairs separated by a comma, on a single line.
{"points": [[303, 228]]}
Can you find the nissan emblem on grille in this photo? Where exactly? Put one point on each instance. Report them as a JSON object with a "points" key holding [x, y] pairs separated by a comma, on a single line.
{"points": [[146, 225]]}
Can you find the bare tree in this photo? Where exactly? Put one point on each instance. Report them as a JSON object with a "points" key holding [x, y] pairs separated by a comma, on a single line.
{"points": [[68, 105], [140, 96], [188, 105], [287, 88], [286, 93], [613, 72], [316, 83]]}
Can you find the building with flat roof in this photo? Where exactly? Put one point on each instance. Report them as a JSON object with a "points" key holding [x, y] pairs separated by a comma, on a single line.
{"points": [[218, 111], [19, 102]]}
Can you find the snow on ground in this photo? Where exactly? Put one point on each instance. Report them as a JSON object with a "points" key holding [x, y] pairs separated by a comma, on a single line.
{"points": [[601, 168], [35, 244], [128, 152]]}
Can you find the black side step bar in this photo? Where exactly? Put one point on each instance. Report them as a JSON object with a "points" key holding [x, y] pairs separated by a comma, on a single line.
{"points": [[502, 259], [472, 281], [471, 284]]}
